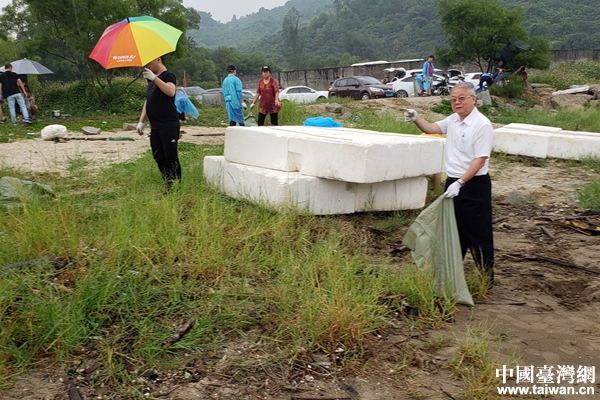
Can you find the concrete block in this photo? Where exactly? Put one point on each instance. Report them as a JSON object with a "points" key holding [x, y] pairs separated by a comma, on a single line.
{"points": [[284, 190], [349, 155]]}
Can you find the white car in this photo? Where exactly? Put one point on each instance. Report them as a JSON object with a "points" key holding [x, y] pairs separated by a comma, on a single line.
{"points": [[404, 87], [302, 94], [471, 77]]}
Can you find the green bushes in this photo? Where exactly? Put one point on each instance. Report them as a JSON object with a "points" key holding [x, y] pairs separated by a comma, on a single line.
{"points": [[512, 87], [565, 75], [78, 98]]}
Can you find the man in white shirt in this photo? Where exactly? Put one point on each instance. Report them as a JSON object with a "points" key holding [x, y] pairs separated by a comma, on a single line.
{"points": [[469, 137]]}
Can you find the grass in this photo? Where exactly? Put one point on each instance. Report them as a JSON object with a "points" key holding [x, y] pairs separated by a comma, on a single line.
{"points": [[476, 365], [139, 263]]}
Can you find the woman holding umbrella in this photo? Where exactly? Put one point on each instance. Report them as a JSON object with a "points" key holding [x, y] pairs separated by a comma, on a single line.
{"points": [[160, 109]]}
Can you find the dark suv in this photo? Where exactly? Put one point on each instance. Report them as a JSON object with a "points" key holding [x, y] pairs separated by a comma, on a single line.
{"points": [[360, 87]]}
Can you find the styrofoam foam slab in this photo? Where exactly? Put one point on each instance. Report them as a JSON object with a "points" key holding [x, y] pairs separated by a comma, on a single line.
{"points": [[573, 146], [283, 190], [527, 143], [546, 142], [349, 155], [532, 128]]}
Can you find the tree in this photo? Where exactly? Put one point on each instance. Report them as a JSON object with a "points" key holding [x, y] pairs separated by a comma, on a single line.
{"points": [[68, 31], [478, 31], [293, 42]]}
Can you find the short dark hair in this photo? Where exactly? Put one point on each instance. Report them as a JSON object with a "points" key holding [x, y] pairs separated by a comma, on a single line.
{"points": [[7, 66], [431, 56]]}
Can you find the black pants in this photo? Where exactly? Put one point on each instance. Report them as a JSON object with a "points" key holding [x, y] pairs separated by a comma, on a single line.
{"points": [[473, 211], [261, 119], [164, 150]]}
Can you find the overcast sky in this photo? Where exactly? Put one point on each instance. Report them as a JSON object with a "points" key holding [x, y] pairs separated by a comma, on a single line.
{"points": [[221, 10]]}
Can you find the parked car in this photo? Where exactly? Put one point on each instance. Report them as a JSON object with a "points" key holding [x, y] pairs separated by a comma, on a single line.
{"points": [[192, 91], [302, 94], [473, 77], [404, 87], [214, 96], [360, 87]]}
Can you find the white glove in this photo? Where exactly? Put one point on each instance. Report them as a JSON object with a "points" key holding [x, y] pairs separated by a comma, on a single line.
{"points": [[410, 115], [140, 128], [244, 104], [252, 105], [149, 74], [453, 190]]}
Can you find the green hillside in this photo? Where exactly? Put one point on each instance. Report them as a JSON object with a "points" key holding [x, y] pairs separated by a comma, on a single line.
{"points": [[388, 29]]}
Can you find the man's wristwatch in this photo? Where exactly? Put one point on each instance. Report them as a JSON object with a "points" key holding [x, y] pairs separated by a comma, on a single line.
{"points": [[461, 182]]}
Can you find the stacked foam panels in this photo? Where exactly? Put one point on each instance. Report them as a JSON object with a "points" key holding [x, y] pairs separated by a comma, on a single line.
{"points": [[545, 141], [325, 170]]}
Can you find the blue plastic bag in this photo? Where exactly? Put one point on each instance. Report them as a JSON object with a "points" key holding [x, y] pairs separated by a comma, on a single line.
{"points": [[184, 105], [324, 122]]}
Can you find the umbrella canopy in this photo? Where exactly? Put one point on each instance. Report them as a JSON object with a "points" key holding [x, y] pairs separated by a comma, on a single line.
{"points": [[134, 42], [28, 67]]}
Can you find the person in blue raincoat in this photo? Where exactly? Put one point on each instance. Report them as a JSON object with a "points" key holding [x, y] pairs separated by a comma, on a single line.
{"points": [[232, 92], [428, 71]]}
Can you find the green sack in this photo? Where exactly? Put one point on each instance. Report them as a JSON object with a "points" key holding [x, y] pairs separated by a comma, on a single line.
{"points": [[433, 239], [14, 191]]}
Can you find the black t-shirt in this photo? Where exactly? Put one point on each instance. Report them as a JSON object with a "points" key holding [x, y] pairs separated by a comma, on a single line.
{"points": [[9, 83], [160, 108]]}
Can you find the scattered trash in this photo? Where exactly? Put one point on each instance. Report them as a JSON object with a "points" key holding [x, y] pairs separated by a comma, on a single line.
{"points": [[324, 122], [54, 131], [177, 335], [585, 226], [90, 130], [14, 192]]}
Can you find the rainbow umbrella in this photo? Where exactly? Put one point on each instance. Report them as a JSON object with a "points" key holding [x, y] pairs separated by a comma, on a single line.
{"points": [[134, 42]]}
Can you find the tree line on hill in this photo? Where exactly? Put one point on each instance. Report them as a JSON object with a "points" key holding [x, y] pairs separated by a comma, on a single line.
{"points": [[302, 34]]}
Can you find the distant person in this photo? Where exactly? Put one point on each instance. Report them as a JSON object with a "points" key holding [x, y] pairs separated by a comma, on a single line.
{"points": [[30, 103], [501, 71], [485, 81], [13, 87], [428, 71], [420, 78], [160, 109], [268, 91], [523, 74], [234, 99]]}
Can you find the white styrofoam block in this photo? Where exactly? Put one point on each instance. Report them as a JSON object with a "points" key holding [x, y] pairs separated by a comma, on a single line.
{"points": [[213, 170], [400, 194], [543, 141], [532, 128], [574, 145], [251, 146], [350, 155], [283, 190], [526, 143]]}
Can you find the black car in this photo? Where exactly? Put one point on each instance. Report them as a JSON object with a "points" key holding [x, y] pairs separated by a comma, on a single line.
{"points": [[360, 87]]}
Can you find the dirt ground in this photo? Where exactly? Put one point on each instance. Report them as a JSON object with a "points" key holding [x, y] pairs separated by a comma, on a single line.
{"points": [[543, 308]]}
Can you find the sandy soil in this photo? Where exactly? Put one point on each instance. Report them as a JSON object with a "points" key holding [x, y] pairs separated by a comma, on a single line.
{"points": [[543, 308], [37, 155]]}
